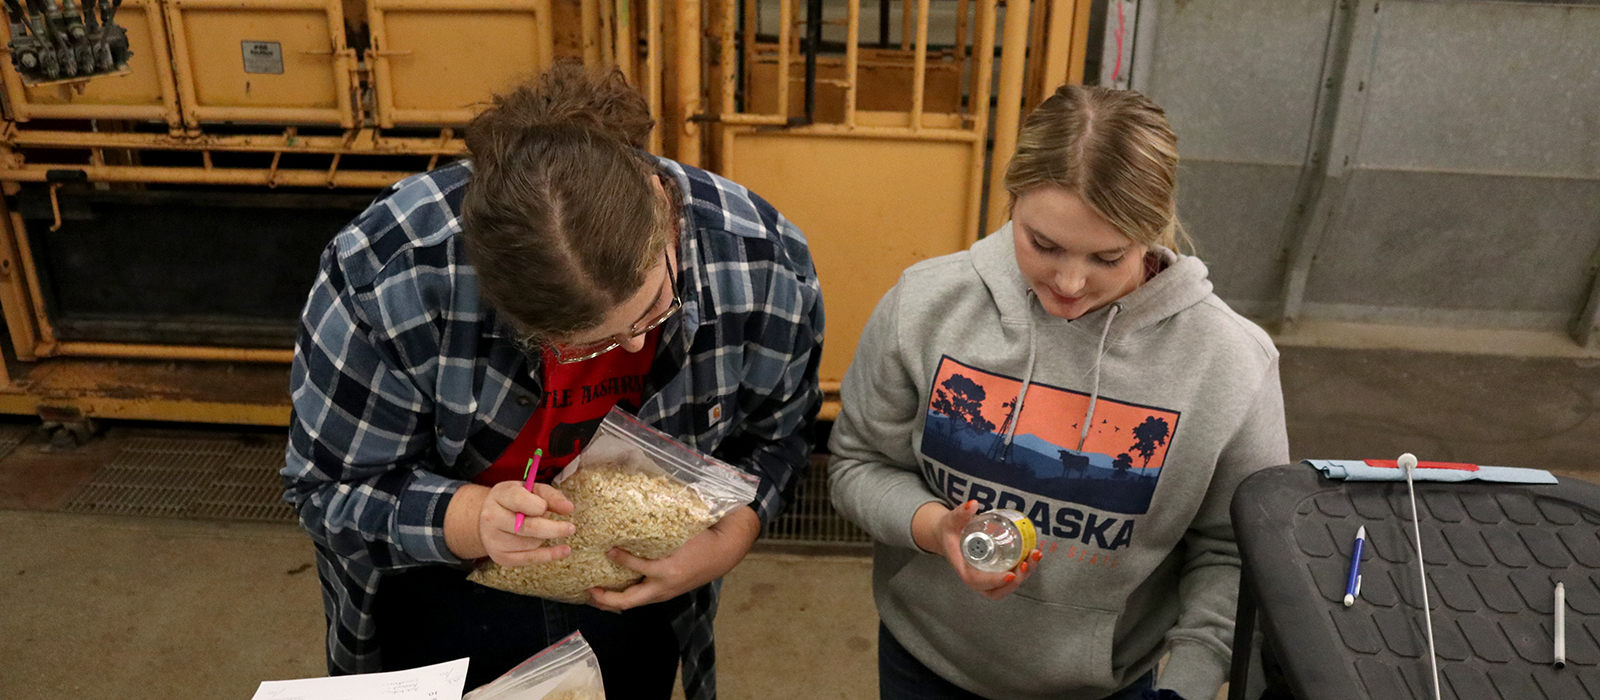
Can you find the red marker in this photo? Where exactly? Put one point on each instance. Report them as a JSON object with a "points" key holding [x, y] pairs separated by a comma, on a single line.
{"points": [[529, 473]]}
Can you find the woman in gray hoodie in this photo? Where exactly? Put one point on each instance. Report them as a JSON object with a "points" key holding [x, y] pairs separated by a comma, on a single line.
{"points": [[1072, 367]]}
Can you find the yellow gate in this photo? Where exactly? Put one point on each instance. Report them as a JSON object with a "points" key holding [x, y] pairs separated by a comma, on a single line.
{"points": [[878, 151], [879, 154]]}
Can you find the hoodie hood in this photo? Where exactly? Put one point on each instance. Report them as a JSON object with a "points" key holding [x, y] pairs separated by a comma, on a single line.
{"points": [[1181, 285]]}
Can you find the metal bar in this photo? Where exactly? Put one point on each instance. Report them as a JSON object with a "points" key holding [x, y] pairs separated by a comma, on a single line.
{"points": [[748, 66], [813, 46], [181, 60], [291, 115], [689, 65], [368, 143], [608, 33], [156, 17], [1080, 42], [1332, 140], [218, 176], [590, 22], [963, 8], [882, 132], [919, 66], [1008, 111], [343, 65], [627, 49], [728, 56], [653, 67], [43, 333], [905, 25], [378, 59], [544, 18], [14, 299], [169, 352], [883, 24], [978, 109], [1033, 82], [471, 5], [852, 58], [785, 28]]}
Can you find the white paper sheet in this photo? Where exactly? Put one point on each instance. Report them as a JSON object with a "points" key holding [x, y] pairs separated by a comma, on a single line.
{"points": [[437, 682]]}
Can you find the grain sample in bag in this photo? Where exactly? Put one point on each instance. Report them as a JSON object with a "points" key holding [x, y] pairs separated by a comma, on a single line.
{"points": [[632, 487], [566, 670]]}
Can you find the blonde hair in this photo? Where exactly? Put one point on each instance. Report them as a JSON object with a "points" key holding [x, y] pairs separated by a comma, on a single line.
{"points": [[1111, 148]]}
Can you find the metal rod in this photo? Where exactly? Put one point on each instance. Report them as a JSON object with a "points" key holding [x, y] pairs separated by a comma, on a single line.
{"points": [[589, 11], [785, 28], [852, 57], [544, 19], [978, 109], [919, 63], [748, 66], [883, 24], [366, 143], [1080, 42], [219, 176], [1008, 110], [170, 352], [887, 132], [627, 39], [343, 64], [813, 45], [905, 25], [653, 68], [728, 56], [963, 8], [689, 65]]}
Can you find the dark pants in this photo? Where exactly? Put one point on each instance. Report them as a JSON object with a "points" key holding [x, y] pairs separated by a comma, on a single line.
{"points": [[432, 614], [902, 677]]}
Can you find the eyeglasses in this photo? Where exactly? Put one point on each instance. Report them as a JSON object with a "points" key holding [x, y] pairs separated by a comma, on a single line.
{"points": [[568, 354]]}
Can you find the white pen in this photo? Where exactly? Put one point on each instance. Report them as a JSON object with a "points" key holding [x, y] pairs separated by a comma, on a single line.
{"points": [[1561, 625]]}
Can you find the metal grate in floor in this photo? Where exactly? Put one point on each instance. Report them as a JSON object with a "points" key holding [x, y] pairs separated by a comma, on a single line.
{"points": [[13, 435], [811, 519], [188, 479], [217, 479]]}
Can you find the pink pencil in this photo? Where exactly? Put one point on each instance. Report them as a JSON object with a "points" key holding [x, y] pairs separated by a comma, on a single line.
{"points": [[529, 473]]}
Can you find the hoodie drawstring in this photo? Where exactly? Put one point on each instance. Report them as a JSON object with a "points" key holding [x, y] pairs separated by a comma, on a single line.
{"points": [[1094, 395], [1027, 378]]}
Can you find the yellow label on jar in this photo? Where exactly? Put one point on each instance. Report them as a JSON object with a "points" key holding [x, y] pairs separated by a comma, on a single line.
{"points": [[1030, 537]]}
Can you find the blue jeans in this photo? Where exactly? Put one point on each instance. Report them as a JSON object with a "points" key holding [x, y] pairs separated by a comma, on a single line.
{"points": [[902, 677]]}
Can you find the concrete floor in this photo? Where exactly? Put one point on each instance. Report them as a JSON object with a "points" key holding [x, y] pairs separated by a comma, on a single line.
{"points": [[96, 605]]}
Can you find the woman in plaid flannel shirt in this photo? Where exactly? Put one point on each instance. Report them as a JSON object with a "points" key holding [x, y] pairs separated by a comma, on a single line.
{"points": [[436, 322]]}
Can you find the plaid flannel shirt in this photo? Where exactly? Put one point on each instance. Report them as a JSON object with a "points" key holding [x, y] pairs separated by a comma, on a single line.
{"points": [[404, 385]]}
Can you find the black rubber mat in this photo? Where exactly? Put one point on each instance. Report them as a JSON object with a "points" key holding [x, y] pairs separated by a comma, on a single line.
{"points": [[1493, 554]]}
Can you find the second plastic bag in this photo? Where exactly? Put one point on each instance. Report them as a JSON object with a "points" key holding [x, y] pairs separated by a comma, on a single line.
{"points": [[566, 670], [632, 487]]}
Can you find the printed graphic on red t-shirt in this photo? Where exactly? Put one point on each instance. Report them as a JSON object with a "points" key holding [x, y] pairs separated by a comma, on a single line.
{"points": [[577, 398]]}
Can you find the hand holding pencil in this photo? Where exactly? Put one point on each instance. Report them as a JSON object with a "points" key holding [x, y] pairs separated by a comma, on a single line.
{"points": [[529, 473]]}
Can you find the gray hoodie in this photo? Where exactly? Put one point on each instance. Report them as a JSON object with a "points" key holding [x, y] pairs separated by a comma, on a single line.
{"points": [[1121, 434]]}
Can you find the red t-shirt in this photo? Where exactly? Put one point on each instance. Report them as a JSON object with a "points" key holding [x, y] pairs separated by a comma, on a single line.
{"points": [[577, 398]]}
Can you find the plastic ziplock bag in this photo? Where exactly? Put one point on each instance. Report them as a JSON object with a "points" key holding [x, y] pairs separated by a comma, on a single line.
{"points": [[567, 670], [633, 488], [629, 444]]}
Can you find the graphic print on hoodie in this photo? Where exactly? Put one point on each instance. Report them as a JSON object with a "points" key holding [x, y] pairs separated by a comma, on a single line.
{"points": [[1042, 470]]}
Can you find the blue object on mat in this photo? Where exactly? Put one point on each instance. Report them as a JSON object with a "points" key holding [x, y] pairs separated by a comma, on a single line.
{"points": [[1357, 470]]}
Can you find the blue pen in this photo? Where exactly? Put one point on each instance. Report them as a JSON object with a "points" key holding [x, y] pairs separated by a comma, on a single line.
{"points": [[1352, 588]]}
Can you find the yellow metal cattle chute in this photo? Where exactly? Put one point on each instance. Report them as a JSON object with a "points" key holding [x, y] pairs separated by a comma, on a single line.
{"points": [[880, 155]]}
